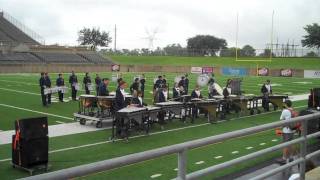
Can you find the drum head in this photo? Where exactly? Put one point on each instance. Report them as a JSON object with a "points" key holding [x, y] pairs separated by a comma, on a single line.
{"points": [[203, 80]]}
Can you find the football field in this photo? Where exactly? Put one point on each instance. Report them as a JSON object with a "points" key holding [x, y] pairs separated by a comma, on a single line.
{"points": [[20, 97]]}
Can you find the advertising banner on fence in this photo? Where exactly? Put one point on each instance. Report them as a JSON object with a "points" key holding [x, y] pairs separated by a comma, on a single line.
{"points": [[312, 73], [196, 70], [234, 71], [115, 67], [263, 71], [286, 72], [207, 70]]}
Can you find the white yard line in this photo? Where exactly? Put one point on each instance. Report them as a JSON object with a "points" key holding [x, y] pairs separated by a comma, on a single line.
{"points": [[39, 112], [24, 92]]}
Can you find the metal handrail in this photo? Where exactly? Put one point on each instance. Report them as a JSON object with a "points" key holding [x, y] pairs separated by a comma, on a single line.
{"points": [[182, 148]]}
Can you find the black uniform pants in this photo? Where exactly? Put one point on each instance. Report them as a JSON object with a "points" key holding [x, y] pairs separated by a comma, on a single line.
{"points": [[73, 93], [49, 98], [43, 97], [265, 103], [60, 96], [87, 89]]}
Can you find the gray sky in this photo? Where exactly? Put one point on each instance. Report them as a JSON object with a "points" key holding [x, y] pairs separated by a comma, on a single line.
{"points": [[58, 21]]}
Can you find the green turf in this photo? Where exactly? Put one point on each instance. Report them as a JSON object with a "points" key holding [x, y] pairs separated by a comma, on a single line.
{"points": [[69, 158], [64, 159], [295, 63]]}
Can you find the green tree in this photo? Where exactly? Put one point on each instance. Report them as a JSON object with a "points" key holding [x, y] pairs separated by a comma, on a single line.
{"points": [[312, 39], [311, 54], [230, 52], [205, 44], [173, 49], [94, 38], [247, 51]]}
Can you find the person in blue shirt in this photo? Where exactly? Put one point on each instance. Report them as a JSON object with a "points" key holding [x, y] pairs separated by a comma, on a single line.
{"points": [[42, 87], [103, 87], [60, 83], [48, 85]]}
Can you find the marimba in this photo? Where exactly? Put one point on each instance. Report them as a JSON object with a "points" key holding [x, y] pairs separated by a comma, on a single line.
{"points": [[127, 116], [171, 106], [210, 105]]}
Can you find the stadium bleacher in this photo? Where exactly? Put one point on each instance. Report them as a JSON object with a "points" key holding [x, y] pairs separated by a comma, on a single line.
{"points": [[12, 33], [18, 58], [95, 58], [13, 37]]}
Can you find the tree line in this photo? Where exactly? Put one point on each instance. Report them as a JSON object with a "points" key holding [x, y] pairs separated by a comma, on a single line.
{"points": [[199, 45]]}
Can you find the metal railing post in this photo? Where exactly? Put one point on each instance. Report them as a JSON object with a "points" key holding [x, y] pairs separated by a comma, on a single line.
{"points": [[303, 149], [182, 165]]}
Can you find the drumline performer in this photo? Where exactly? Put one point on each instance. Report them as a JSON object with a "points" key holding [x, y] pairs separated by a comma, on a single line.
{"points": [[196, 93], [134, 86], [97, 80], [73, 80], [87, 83], [120, 103], [103, 87], [266, 90], [142, 84], [60, 83], [48, 85], [42, 87]]}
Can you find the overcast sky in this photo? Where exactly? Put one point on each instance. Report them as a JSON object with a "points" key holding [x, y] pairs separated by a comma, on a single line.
{"points": [[58, 21]]}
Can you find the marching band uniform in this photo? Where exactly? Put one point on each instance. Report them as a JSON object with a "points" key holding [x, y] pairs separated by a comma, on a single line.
{"points": [[97, 81], [42, 86], [138, 101], [195, 94], [186, 82], [103, 89], [182, 83], [163, 96], [87, 82], [134, 86], [142, 86], [159, 83], [212, 89], [120, 103], [175, 92], [266, 90], [48, 85], [73, 80], [60, 83]]}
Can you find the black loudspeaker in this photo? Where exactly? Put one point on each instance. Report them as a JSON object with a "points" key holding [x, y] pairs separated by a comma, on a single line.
{"points": [[32, 152], [30, 144], [31, 128]]}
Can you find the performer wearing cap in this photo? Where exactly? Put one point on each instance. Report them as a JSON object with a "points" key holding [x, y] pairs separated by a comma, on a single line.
{"points": [[97, 82], [60, 83], [134, 86], [266, 90], [87, 83], [103, 87], [42, 87], [73, 80], [48, 85]]}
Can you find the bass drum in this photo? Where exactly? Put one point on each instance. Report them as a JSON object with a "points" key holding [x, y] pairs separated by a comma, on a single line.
{"points": [[203, 80]]}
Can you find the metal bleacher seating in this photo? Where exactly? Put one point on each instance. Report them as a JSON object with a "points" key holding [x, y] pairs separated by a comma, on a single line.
{"points": [[12, 33], [60, 57], [95, 58], [18, 58]]}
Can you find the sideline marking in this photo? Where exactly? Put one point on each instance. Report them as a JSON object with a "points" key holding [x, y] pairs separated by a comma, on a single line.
{"points": [[274, 140], [218, 157], [156, 175], [248, 148], [175, 169], [199, 162], [39, 112]]}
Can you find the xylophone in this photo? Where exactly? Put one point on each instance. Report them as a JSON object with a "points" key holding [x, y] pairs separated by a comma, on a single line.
{"points": [[171, 107]]}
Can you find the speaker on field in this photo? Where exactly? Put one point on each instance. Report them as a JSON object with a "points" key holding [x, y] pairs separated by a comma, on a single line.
{"points": [[31, 128], [29, 153], [30, 144]]}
